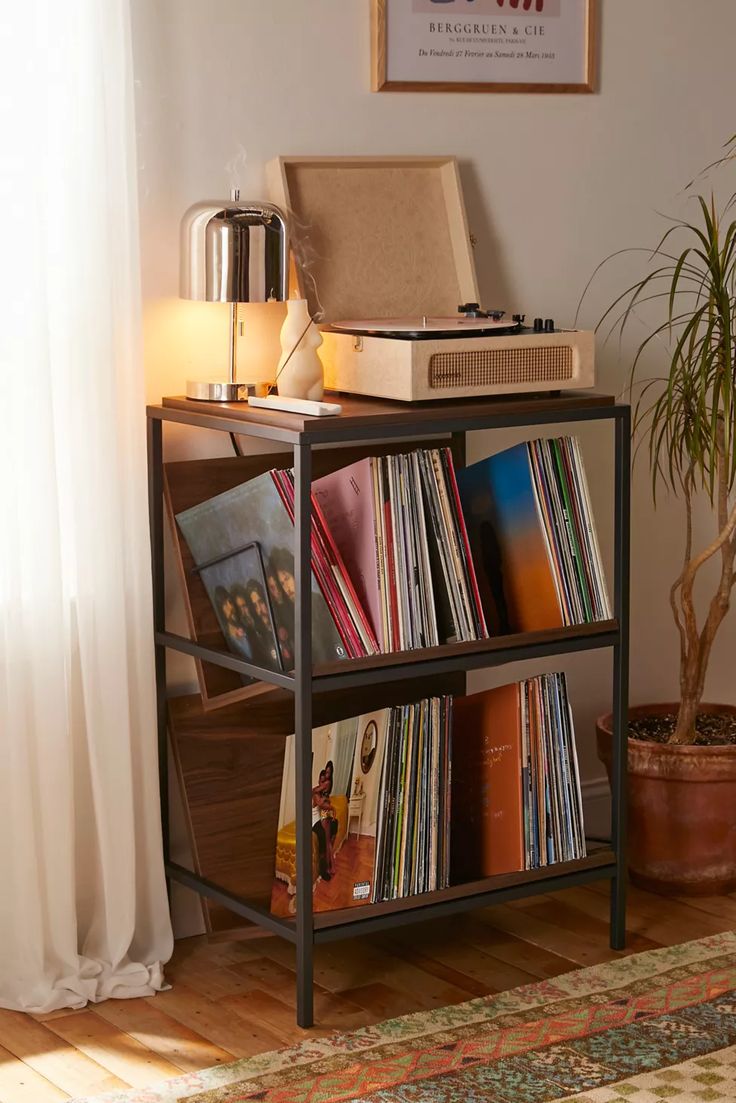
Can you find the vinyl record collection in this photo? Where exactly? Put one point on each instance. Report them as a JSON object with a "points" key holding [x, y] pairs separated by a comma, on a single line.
{"points": [[533, 540], [380, 808], [516, 787], [564, 503], [398, 523], [332, 576], [406, 554], [242, 543], [551, 796], [413, 833], [443, 791]]}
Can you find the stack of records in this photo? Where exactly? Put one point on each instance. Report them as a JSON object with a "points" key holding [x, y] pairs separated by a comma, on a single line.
{"points": [[564, 502], [398, 523], [532, 534], [413, 835], [380, 808], [242, 544], [552, 800], [516, 800], [332, 576]]}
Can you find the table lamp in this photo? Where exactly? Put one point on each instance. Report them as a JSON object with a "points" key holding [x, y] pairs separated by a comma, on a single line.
{"points": [[232, 252]]}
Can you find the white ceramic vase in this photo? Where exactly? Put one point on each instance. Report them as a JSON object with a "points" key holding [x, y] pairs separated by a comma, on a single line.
{"points": [[303, 376]]}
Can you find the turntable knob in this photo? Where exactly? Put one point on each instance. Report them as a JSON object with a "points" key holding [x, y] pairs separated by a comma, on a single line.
{"points": [[538, 325], [549, 325], [519, 319]]}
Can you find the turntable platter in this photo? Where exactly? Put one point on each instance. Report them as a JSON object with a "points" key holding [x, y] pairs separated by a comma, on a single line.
{"points": [[428, 328]]}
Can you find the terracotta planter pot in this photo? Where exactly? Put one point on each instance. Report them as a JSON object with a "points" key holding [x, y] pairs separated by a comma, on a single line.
{"points": [[682, 810]]}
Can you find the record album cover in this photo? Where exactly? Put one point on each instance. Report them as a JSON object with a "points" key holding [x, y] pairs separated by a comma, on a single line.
{"points": [[347, 764], [242, 542], [508, 544]]}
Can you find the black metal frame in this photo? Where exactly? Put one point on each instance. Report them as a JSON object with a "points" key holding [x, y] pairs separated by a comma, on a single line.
{"points": [[303, 682]]}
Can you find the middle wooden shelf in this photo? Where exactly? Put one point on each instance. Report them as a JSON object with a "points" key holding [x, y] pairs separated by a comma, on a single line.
{"points": [[421, 662]]}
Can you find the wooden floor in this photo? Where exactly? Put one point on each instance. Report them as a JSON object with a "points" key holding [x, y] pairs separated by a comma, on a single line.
{"points": [[234, 998]]}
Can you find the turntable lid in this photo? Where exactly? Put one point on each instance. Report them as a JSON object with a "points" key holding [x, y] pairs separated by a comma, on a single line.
{"points": [[377, 237]]}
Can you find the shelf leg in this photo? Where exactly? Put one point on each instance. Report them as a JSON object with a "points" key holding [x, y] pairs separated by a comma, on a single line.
{"points": [[303, 735], [621, 677], [156, 522]]}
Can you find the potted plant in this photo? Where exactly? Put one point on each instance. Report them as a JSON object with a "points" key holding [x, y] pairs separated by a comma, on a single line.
{"points": [[682, 756]]}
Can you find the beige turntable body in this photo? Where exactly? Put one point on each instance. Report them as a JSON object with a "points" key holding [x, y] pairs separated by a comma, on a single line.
{"points": [[388, 237]]}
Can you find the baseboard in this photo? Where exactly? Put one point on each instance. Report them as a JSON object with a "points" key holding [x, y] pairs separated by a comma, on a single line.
{"points": [[597, 807]]}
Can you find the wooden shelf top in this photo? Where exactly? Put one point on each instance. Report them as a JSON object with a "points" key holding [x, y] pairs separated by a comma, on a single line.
{"points": [[367, 418]]}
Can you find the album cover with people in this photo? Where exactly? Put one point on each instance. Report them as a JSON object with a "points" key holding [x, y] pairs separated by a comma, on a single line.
{"points": [[242, 542], [347, 765], [246, 607]]}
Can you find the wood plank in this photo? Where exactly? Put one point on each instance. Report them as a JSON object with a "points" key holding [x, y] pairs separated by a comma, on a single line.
{"points": [[157, 1031], [214, 981], [61, 1012], [56, 1060], [563, 913], [382, 1001], [231, 791], [340, 967], [450, 971], [216, 1022], [278, 1012], [271, 977], [541, 962], [113, 1049], [531, 928], [473, 969], [722, 907], [667, 920], [267, 974], [256, 1006], [19, 1083]]}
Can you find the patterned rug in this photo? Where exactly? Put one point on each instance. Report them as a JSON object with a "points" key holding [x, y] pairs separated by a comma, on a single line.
{"points": [[654, 1027]]}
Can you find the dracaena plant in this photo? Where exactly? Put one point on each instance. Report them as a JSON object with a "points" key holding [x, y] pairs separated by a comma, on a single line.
{"points": [[685, 416]]}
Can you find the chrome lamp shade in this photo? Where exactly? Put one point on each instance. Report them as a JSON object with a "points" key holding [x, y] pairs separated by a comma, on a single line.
{"points": [[232, 252]]}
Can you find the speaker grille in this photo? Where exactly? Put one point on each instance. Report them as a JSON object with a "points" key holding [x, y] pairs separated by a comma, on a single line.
{"points": [[544, 364]]}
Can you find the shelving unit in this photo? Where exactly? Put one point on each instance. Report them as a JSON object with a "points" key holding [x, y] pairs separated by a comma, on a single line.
{"points": [[366, 422]]}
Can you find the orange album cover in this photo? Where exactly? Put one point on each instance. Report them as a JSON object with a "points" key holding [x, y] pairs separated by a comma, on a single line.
{"points": [[507, 538], [487, 836]]}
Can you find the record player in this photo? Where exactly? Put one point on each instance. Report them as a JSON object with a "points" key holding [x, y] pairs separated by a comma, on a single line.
{"points": [[383, 254]]}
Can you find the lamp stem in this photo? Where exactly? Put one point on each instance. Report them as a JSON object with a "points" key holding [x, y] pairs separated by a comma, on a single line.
{"points": [[233, 367]]}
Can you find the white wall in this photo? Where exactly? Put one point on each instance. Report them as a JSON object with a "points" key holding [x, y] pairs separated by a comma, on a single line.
{"points": [[553, 184]]}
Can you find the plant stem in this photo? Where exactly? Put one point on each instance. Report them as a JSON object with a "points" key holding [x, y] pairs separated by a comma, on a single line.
{"points": [[695, 645]]}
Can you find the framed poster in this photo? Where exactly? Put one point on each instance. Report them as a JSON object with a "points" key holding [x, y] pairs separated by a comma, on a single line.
{"points": [[483, 45]]}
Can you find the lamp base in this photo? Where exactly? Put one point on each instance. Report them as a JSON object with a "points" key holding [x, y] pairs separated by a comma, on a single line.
{"points": [[224, 392]]}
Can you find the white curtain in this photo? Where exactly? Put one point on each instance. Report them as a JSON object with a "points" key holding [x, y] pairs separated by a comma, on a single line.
{"points": [[83, 910]]}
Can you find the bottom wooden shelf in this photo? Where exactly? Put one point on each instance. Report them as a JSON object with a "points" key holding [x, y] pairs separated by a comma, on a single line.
{"points": [[598, 859], [230, 764], [598, 865]]}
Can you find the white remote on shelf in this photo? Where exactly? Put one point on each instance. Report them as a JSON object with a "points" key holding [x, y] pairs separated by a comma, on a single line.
{"points": [[297, 405]]}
